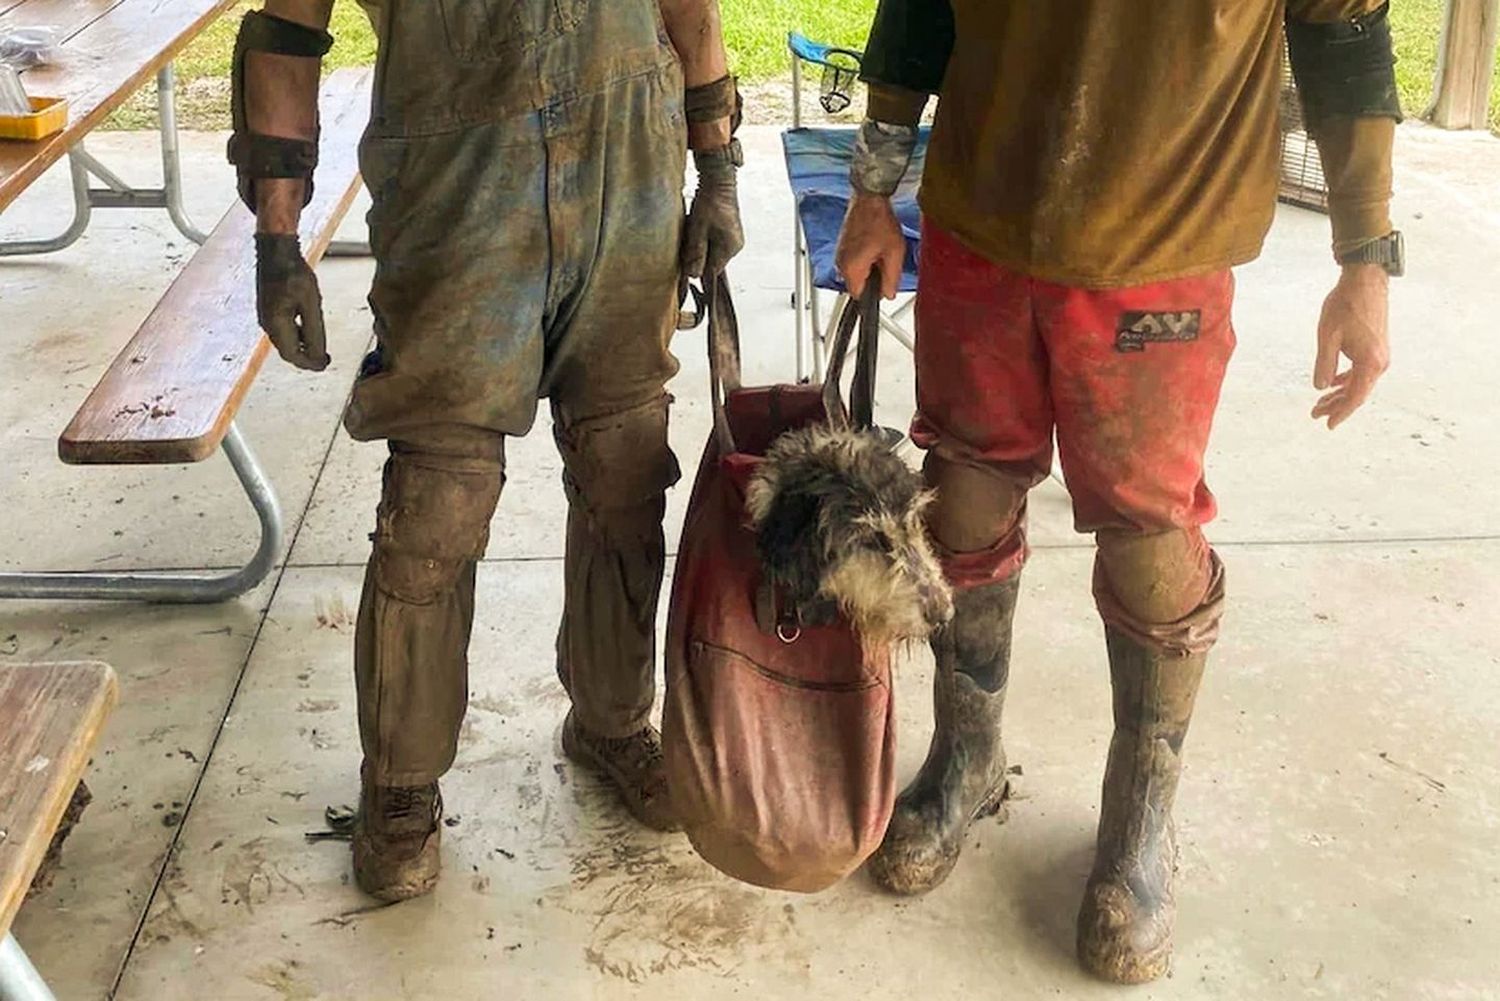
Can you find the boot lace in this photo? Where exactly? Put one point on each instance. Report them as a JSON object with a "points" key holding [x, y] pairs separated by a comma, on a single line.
{"points": [[639, 756], [409, 803]]}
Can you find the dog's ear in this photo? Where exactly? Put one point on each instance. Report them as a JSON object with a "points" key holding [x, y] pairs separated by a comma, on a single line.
{"points": [[787, 527], [788, 542], [761, 493]]}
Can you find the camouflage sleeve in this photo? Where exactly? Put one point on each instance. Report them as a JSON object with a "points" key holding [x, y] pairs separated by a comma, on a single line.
{"points": [[882, 152]]}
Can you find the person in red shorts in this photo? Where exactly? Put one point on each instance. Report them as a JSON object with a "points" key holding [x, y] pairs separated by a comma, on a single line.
{"points": [[1095, 170]]}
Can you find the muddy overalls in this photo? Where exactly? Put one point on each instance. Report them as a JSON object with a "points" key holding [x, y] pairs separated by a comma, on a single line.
{"points": [[525, 159]]}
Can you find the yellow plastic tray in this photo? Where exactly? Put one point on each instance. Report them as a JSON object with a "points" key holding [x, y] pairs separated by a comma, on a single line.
{"points": [[49, 115]]}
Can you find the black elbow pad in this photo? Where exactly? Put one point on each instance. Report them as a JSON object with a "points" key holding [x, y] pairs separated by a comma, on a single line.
{"points": [[256, 156], [1344, 67], [909, 46]]}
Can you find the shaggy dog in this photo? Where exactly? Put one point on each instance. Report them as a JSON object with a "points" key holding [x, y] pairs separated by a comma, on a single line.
{"points": [[838, 521]]}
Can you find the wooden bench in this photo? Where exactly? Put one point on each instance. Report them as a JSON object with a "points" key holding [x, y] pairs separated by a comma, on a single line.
{"points": [[172, 394], [50, 718]]}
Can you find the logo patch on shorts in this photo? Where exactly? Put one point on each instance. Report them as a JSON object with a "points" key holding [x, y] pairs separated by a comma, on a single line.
{"points": [[1137, 327]]}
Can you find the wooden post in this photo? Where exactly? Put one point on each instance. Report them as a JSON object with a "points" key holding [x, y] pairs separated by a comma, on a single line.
{"points": [[1466, 65]]}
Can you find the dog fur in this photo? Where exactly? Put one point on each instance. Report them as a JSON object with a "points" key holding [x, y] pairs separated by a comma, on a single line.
{"points": [[839, 518]]}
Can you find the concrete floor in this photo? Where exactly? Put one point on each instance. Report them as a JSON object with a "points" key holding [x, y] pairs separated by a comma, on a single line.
{"points": [[1340, 811]]}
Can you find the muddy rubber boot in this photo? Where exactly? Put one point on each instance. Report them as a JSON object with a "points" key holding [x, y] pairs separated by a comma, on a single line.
{"points": [[1125, 924], [633, 765], [963, 778], [397, 836]]}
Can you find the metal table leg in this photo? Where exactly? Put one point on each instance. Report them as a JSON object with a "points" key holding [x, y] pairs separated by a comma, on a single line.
{"points": [[171, 159], [173, 588], [19, 980], [116, 193]]}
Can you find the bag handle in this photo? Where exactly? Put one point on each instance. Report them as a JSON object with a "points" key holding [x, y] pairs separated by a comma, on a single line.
{"points": [[724, 372], [864, 315]]}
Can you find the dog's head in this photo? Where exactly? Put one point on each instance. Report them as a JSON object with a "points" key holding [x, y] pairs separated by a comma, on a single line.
{"points": [[838, 516]]}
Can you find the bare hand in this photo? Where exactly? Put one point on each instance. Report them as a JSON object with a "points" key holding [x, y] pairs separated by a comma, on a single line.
{"points": [[871, 236], [1354, 324]]}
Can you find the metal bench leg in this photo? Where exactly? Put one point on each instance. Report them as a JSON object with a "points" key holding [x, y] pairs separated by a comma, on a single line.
{"points": [[171, 588], [348, 248], [83, 207], [19, 980]]}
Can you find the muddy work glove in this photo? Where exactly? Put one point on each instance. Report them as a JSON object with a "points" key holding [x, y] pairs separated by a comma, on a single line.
{"points": [[288, 302], [714, 234]]}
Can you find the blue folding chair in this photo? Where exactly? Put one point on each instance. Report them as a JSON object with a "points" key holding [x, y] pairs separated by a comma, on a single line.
{"points": [[817, 163]]}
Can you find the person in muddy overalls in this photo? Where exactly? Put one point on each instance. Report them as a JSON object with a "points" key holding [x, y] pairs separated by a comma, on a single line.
{"points": [[526, 163]]}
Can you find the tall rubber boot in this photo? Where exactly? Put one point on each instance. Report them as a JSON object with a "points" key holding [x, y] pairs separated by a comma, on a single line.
{"points": [[963, 778], [1125, 924]]}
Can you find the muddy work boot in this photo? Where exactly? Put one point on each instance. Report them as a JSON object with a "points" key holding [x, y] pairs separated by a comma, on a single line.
{"points": [[396, 840], [633, 766], [963, 778], [1125, 924]]}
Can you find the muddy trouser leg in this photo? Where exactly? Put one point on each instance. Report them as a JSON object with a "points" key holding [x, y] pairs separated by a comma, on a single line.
{"points": [[609, 360], [614, 563], [1135, 377], [412, 638], [459, 233], [985, 421]]}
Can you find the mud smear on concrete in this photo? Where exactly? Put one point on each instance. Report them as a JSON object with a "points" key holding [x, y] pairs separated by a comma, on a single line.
{"points": [[333, 614], [250, 878], [498, 704], [281, 977], [655, 907]]}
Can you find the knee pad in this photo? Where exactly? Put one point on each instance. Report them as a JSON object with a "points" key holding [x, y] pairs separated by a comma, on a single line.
{"points": [[433, 522], [1165, 589], [618, 462], [974, 506], [1157, 578]]}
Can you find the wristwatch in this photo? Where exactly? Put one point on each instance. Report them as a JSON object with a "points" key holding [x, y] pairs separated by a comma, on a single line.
{"points": [[1388, 251]]}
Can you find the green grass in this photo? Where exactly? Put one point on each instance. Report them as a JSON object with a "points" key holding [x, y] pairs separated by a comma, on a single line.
{"points": [[1415, 27], [354, 42], [755, 32]]}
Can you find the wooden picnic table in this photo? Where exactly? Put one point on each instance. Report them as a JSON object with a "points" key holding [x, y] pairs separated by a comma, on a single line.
{"points": [[110, 48], [172, 395], [50, 718]]}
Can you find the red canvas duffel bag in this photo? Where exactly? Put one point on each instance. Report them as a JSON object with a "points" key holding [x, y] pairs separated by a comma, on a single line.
{"points": [[779, 736]]}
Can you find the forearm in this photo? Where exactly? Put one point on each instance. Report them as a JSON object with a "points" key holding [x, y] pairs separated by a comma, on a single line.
{"points": [[905, 61], [1342, 59], [1356, 157], [697, 33], [281, 100]]}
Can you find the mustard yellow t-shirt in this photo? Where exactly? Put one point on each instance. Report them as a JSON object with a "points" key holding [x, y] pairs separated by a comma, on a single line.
{"points": [[1104, 143]]}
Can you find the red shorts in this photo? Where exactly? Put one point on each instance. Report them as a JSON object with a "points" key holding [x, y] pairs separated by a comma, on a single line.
{"points": [[1127, 378]]}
